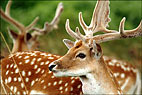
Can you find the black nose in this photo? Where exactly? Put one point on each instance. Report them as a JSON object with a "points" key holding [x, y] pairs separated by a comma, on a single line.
{"points": [[51, 67]]}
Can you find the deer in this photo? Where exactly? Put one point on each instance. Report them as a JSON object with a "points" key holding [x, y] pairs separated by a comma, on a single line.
{"points": [[85, 57], [25, 41], [27, 72]]}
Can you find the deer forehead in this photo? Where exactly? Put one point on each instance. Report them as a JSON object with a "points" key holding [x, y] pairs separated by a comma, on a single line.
{"points": [[79, 46]]}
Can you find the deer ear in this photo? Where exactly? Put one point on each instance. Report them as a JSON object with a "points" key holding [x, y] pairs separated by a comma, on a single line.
{"points": [[12, 34], [97, 51], [28, 36], [68, 43]]}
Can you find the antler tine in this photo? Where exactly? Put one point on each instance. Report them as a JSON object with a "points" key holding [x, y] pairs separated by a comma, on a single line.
{"points": [[70, 32], [56, 18], [7, 9], [9, 19], [32, 24], [48, 27], [12, 21], [121, 34], [82, 23], [79, 34]]}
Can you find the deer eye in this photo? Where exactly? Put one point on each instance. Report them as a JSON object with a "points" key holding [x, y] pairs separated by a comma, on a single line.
{"points": [[81, 55]]}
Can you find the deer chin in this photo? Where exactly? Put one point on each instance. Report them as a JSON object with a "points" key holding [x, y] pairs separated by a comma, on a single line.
{"points": [[66, 73]]}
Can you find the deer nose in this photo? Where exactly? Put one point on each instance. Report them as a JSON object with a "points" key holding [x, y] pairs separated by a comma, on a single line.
{"points": [[51, 67]]}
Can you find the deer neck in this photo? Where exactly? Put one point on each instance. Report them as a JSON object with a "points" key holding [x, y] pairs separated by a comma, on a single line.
{"points": [[100, 80]]}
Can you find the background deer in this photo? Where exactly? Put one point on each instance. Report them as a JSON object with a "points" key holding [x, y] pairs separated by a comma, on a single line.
{"points": [[23, 40], [85, 57], [27, 73]]}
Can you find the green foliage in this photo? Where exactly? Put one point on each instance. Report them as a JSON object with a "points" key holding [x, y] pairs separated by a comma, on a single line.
{"points": [[26, 11]]}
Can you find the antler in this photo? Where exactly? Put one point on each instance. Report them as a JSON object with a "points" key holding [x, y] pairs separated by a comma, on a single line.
{"points": [[6, 15], [54, 23], [121, 34], [99, 22]]}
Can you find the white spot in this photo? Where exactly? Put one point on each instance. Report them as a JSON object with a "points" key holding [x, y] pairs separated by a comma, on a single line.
{"points": [[116, 74], [11, 65], [14, 66], [26, 57], [9, 79], [54, 83], [20, 63], [33, 61], [66, 89], [60, 88], [72, 77], [128, 68], [23, 73], [27, 61], [49, 84], [76, 78], [72, 81], [52, 77], [38, 70], [6, 81], [18, 92], [50, 57], [27, 79], [44, 87], [61, 91], [114, 61], [11, 72], [29, 73], [22, 85], [7, 72], [42, 63], [24, 92], [11, 88], [36, 79], [15, 79], [20, 57], [35, 67], [42, 81], [60, 81], [42, 71], [122, 75], [15, 89], [34, 92], [117, 65], [46, 62], [32, 83], [17, 70], [49, 72], [7, 66], [78, 86], [19, 79], [66, 84], [38, 59], [71, 88], [111, 64]]}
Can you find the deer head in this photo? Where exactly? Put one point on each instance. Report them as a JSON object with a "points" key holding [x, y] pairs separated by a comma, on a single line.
{"points": [[86, 50], [23, 40]]}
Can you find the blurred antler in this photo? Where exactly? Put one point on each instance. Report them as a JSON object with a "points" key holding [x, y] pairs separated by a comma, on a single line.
{"points": [[50, 26], [6, 15]]}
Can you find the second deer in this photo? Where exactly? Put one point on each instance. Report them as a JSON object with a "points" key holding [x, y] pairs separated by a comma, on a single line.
{"points": [[24, 41]]}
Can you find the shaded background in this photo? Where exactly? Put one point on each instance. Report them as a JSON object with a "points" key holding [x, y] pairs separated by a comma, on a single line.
{"points": [[25, 11]]}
